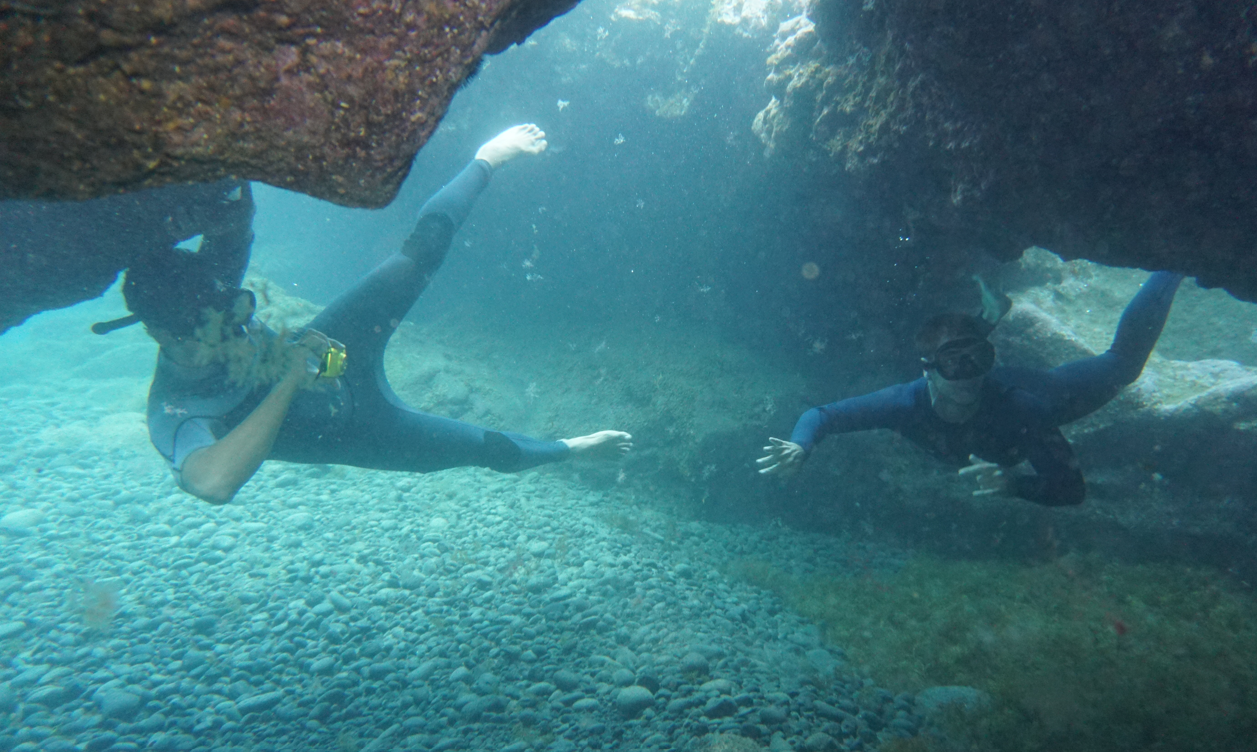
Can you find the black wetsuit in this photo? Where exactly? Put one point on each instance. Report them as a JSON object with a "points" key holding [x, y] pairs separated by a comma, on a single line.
{"points": [[357, 419], [1021, 409]]}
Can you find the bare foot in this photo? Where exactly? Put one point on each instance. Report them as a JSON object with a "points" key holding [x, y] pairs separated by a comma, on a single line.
{"points": [[601, 445], [512, 142]]}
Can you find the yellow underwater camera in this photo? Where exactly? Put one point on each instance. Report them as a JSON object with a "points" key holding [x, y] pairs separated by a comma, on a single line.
{"points": [[332, 364]]}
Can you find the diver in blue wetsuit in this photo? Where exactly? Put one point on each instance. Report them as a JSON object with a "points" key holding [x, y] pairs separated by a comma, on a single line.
{"points": [[965, 409], [229, 393]]}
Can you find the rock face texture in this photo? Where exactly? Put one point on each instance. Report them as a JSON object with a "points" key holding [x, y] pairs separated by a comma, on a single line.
{"points": [[1124, 133], [913, 140], [327, 97]]}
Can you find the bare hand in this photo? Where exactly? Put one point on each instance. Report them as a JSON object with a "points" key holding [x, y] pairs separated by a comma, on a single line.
{"points": [[990, 477], [305, 355], [783, 458]]}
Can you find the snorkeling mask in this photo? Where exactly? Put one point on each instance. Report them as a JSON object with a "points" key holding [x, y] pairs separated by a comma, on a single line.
{"points": [[960, 359], [181, 311], [332, 364]]}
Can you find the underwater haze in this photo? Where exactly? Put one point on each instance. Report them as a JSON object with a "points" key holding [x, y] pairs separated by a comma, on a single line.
{"points": [[653, 271]]}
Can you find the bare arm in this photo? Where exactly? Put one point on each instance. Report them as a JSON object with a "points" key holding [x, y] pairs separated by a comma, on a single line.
{"points": [[217, 472]]}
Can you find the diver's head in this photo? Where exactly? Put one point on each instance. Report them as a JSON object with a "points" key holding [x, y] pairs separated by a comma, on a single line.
{"points": [[177, 296], [954, 347], [956, 357]]}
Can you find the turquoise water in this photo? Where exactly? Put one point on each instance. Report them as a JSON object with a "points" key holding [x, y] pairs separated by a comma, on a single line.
{"points": [[645, 273]]}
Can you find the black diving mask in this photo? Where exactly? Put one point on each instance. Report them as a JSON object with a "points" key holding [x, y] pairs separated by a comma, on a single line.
{"points": [[961, 359]]}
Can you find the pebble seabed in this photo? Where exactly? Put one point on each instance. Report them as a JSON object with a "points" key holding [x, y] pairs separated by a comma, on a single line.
{"points": [[331, 608]]}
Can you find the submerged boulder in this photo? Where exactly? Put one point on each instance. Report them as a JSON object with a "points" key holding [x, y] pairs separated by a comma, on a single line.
{"points": [[1121, 132], [326, 97]]}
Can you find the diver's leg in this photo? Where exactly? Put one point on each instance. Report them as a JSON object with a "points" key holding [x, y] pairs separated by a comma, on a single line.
{"points": [[1083, 386], [384, 432], [407, 439], [364, 317], [387, 437]]}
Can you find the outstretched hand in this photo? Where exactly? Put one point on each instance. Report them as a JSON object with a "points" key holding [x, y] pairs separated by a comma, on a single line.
{"points": [[783, 458], [511, 143], [990, 477]]}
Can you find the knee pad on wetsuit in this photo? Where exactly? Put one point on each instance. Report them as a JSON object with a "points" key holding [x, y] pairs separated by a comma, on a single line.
{"points": [[500, 453], [430, 240]]}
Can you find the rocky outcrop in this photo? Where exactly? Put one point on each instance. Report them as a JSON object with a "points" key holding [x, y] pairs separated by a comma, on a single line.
{"points": [[327, 97], [1122, 133]]}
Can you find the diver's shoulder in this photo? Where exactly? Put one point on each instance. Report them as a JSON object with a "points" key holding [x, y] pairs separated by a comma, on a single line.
{"points": [[1016, 377], [1019, 387], [902, 390], [907, 394]]}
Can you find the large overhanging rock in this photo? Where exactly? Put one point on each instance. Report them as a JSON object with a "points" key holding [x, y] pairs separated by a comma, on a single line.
{"points": [[1121, 132], [327, 97]]}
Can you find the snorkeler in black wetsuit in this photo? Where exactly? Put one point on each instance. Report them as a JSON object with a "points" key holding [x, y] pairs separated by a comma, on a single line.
{"points": [[229, 393], [966, 410]]}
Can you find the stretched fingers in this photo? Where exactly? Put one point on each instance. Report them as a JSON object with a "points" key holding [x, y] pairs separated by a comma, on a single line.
{"points": [[978, 466]]}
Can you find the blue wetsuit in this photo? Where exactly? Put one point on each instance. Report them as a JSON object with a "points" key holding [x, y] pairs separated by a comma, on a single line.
{"points": [[1021, 409], [356, 420]]}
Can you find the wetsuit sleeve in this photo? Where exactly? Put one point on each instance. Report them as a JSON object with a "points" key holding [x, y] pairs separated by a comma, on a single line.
{"points": [[176, 435], [1057, 481], [181, 417], [886, 408], [229, 243], [221, 213], [192, 435]]}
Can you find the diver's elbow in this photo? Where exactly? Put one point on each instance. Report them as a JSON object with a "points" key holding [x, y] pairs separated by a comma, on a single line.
{"points": [[215, 499], [207, 479], [216, 494]]}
